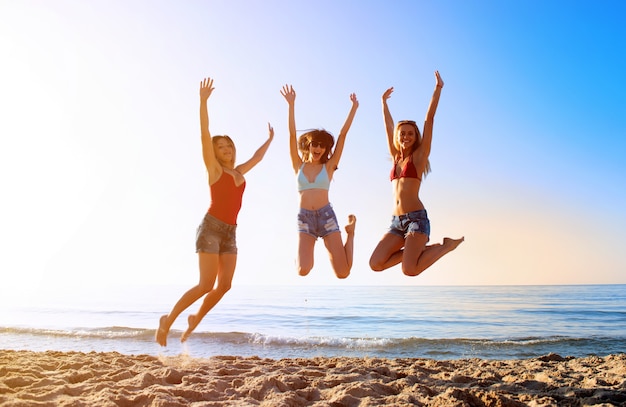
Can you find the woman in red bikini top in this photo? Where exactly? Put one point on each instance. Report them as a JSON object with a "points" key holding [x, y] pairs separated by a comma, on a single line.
{"points": [[215, 240], [406, 240]]}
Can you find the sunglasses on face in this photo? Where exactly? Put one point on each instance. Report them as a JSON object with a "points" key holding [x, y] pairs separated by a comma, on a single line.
{"points": [[316, 144]]}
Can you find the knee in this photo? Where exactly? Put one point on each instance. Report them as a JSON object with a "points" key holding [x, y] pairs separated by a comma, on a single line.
{"points": [[342, 271], [223, 288], [375, 264], [408, 271], [205, 286], [342, 274], [304, 267]]}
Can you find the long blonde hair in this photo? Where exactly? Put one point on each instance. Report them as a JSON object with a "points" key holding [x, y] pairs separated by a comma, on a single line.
{"points": [[418, 142], [215, 139]]}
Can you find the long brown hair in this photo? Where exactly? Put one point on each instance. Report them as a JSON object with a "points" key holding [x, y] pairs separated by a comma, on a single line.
{"points": [[320, 136]]}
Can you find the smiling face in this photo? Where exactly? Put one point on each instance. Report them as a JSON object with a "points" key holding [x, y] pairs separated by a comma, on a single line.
{"points": [[317, 150], [407, 136], [316, 146], [225, 151]]}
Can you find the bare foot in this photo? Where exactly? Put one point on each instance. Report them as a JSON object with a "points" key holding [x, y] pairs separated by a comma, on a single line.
{"points": [[161, 334], [351, 224], [452, 243], [191, 320]]}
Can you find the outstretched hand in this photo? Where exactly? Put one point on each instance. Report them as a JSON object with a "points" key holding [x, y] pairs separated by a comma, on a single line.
{"points": [[288, 93], [355, 101], [270, 129], [439, 80], [206, 88], [387, 94]]}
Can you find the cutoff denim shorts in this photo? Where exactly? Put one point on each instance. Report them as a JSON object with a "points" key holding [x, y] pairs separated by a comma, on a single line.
{"points": [[216, 237], [412, 222], [319, 223]]}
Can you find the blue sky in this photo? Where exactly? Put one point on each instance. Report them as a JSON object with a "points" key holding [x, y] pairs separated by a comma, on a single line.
{"points": [[100, 163]]}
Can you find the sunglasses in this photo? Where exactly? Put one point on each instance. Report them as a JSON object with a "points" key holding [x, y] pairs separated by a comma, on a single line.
{"points": [[316, 144]]}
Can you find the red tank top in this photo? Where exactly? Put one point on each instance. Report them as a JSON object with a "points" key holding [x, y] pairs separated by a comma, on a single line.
{"points": [[226, 199]]}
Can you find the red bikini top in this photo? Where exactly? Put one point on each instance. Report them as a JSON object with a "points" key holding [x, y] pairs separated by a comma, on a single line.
{"points": [[408, 171]]}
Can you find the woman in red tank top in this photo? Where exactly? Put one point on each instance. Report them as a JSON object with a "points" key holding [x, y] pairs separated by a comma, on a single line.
{"points": [[405, 242], [215, 241]]}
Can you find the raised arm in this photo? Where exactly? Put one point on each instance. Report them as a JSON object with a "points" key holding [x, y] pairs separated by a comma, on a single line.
{"points": [[290, 96], [341, 139], [389, 125], [258, 155], [208, 154], [427, 136]]}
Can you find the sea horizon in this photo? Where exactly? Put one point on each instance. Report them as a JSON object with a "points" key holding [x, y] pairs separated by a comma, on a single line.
{"points": [[439, 322]]}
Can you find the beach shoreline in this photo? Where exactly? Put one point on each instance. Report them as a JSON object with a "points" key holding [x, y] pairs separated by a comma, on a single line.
{"points": [[54, 378]]}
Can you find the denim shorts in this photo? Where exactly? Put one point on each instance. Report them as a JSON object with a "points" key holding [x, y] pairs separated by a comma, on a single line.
{"points": [[216, 237], [319, 223], [412, 222]]}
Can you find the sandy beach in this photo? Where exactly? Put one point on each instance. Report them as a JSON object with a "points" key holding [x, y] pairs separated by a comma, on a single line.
{"points": [[111, 379]]}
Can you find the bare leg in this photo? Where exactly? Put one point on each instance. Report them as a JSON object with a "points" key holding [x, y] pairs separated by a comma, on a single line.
{"points": [[161, 334], [391, 250], [349, 246], [208, 273], [387, 253], [306, 245], [428, 256], [341, 256], [226, 270]]}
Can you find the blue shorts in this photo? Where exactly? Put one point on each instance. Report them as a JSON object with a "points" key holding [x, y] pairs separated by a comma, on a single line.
{"points": [[412, 222], [216, 237], [319, 223]]}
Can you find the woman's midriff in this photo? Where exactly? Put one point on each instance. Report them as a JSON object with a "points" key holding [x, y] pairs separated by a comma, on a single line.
{"points": [[313, 199], [406, 196]]}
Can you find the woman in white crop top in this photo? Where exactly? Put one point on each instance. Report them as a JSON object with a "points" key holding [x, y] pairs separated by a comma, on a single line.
{"points": [[314, 162]]}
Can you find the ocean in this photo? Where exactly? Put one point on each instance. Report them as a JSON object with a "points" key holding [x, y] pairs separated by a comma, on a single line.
{"points": [[440, 322]]}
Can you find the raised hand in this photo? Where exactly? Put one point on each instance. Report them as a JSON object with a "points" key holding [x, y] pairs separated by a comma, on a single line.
{"points": [[387, 94], [288, 93], [206, 88], [270, 129], [439, 80], [355, 101]]}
